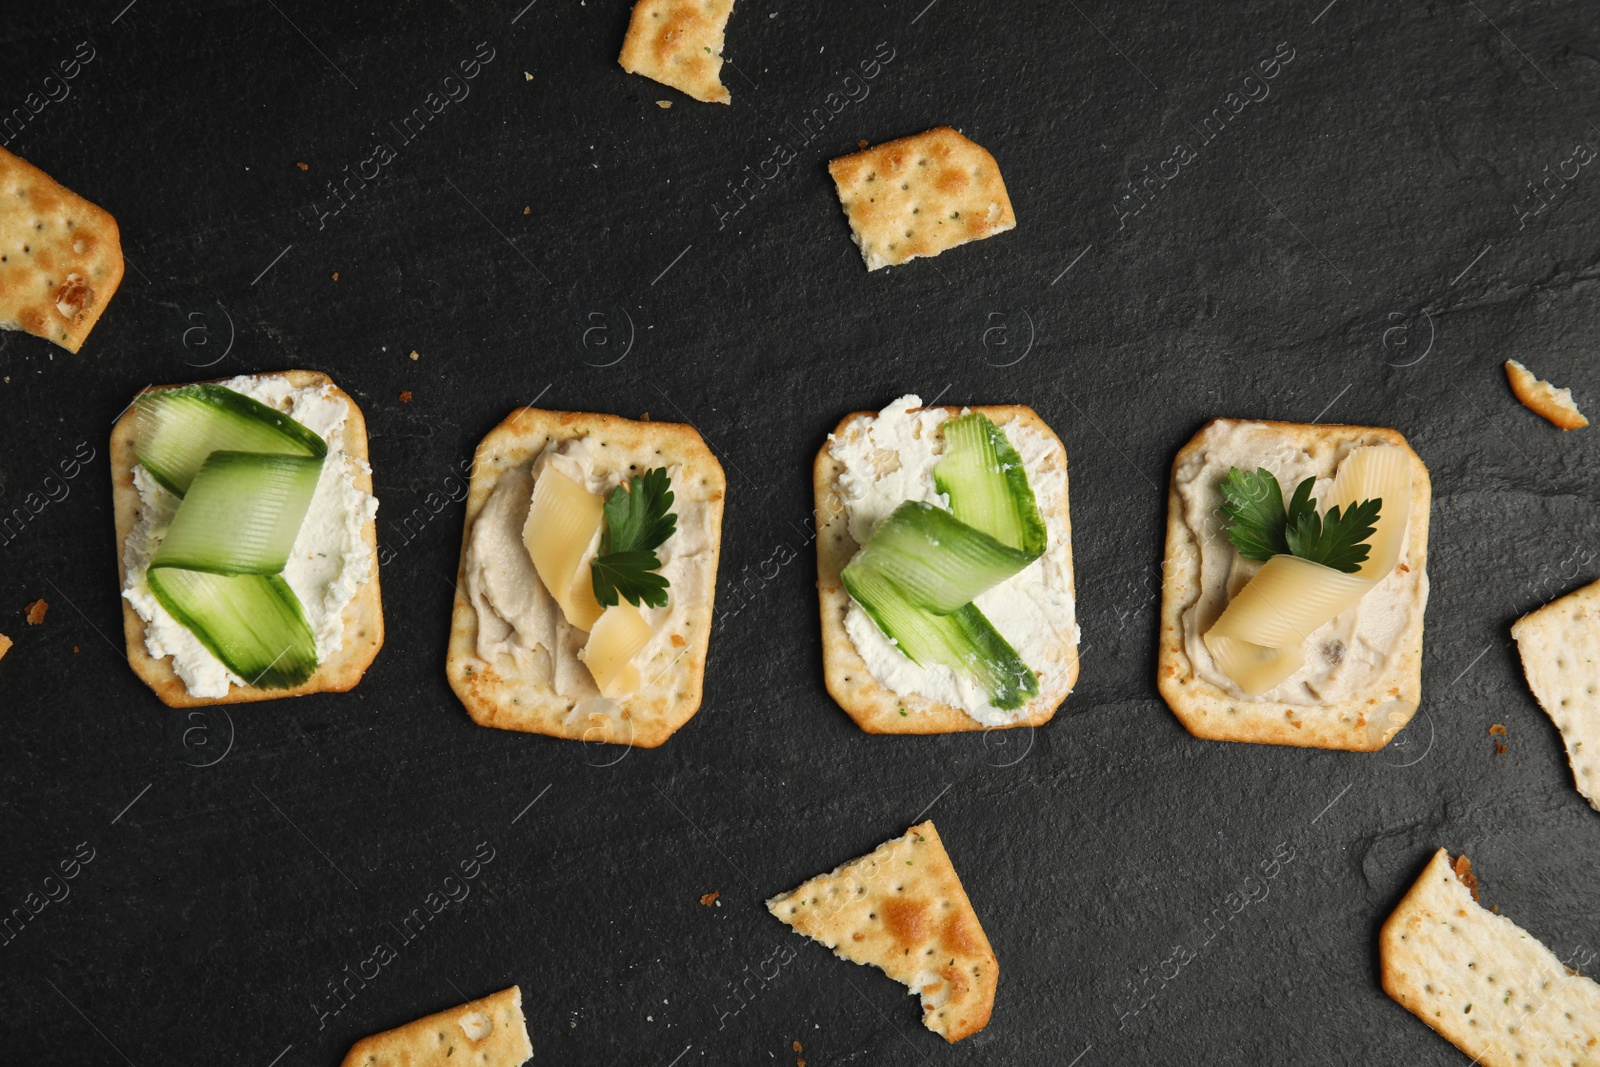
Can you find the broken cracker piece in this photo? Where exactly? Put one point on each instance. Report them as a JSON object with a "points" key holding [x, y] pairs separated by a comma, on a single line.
{"points": [[1560, 649], [1481, 981], [902, 909], [5, 645], [679, 43], [487, 1032], [1544, 399], [920, 196], [60, 256]]}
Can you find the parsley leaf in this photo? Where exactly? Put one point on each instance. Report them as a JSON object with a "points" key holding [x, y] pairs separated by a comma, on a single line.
{"points": [[1335, 540], [639, 520]]}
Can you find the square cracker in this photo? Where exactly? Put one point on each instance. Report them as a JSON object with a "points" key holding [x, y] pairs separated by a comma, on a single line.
{"points": [[1365, 722], [60, 256], [902, 909], [1481, 981], [487, 1032], [679, 43], [363, 616], [494, 694], [1560, 649], [920, 196], [875, 707]]}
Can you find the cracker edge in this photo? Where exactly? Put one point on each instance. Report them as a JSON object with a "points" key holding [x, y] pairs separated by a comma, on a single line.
{"points": [[339, 673], [1268, 722], [512, 432], [839, 654]]}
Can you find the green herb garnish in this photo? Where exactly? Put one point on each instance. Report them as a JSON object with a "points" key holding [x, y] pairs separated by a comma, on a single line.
{"points": [[1260, 527], [639, 520]]}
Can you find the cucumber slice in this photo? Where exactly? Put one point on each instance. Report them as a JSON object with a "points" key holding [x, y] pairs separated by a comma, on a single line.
{"points": [[178, 428], [938, 562], [987, 485], [241, 514], [252, 622], [963, 640]]}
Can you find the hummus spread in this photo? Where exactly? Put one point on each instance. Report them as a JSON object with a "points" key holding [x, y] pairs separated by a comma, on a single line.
{"points": [[1343, 657], [328, 564], [520, 622], [890, 460]]}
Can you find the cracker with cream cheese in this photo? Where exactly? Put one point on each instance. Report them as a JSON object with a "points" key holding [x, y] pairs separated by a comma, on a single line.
{"points": [[679, 43], [502, 694], [902, 909], [1366, 720], [1544, 399], [60, 256], [875, 707], [920, 196], [1560, 649], [363, 615], [1481, 981], [487, 1032]]}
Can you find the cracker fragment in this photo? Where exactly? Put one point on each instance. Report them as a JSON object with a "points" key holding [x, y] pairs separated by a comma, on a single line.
{"points": [[1560, 649], [920, 196], [36, 612], [60, 256], [1544, 399], [679, 43], [902, 909], [5, 645], [487, 1032], [363, 616], [1486, 985], [500, 695]]}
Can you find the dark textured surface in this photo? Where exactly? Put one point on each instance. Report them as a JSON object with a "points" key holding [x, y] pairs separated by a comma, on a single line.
{"points": [[1348, 248]]}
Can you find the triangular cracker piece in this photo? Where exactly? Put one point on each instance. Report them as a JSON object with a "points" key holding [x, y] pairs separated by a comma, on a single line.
{"points": [[1544, 399], [60, 256], [1482, 982], [920, 196], [5, 645], [679, 43], [1560, 649], [487, 1032], [902, 909]]}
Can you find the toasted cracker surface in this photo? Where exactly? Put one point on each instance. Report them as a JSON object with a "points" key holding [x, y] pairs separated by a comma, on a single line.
{"points": [[920, 196], [487, 1032], [497, 694], [679, 43], [60, 256], [902, 909], [1560, 649], [1363, 723], [1484, 983], [1544, 399], [876, 708], [363, 616]]}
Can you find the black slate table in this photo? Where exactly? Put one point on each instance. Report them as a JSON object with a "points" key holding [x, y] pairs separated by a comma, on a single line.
{"points": [[1357, 238]]}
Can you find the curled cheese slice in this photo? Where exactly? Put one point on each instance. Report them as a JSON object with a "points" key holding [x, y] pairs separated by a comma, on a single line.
{"points": [[1255, 668], [1377, 472], [561, 523], [618, 636], [1288, 599]]}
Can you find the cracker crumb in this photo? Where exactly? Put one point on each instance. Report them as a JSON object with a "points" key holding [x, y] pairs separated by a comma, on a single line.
{"points": [[644, 416], [1497, 730], [527, 210], [663, 104], [36, 612], [796, 1046], [1463, 869], [861, 143], [335, 275], [302, 166], [415, 354], [527, 77], [710, 898], [405, 397]]}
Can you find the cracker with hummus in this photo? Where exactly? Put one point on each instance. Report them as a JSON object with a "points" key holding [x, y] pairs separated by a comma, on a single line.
{"points": [[1294, 584], [679, 43], [1554, 405], [588, 570], [989, 637], [487, 1032], [1486, 985], [902, 909], [920, 196], [270, 588], [1560, 649], [60, 256]]}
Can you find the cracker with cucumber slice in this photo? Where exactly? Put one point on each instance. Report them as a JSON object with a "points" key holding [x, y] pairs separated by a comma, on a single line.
{"points": [[506, 696], [875, 707], [363, 615]]}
